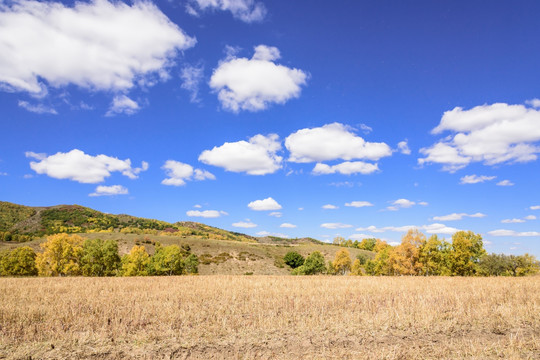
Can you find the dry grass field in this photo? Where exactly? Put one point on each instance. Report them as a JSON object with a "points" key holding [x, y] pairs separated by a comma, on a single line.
{"points": [[270, 317]]}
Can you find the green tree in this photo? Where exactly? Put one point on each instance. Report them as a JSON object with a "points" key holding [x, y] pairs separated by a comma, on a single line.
{"points": [[100, 258], [342, 262], [314, 264], [61, 255], [466, 250], [136, 262], [191, 264], [434, 257], [167, 260], [293, 259], [18, 262]]}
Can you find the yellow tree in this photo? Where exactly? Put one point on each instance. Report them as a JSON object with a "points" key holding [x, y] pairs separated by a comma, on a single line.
{"points": [[356, 268], [467, 249], [136, 262], [61, 255], [342, 262], [404, 260]]}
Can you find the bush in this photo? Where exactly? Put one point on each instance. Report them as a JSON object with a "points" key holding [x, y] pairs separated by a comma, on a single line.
{"points": [[18, 262], [293, 259], [100, 258], [314, 264]]}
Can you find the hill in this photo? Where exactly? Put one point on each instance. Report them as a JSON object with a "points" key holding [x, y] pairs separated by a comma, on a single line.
{"points": [[219, 251]]}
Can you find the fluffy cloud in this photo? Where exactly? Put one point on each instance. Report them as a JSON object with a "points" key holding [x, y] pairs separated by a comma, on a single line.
{"points": [[78, 166], [244, 224], [346, 168], [264, 205], [456, 216], [246, 10], [96, 45], [109, 190], [331, 142], [287, 225], [335, 226], [178, 173], [255, 157], [535, 103], [329, 207], [121, 104], [491, 134], [505, 183], [403, 147], [503, 232], [475, 179], [435, 228], [404, 203], [275, 214], [253, 84], [535, 207], [37, 108], [359, 204], [205, 213], [518, 221]]}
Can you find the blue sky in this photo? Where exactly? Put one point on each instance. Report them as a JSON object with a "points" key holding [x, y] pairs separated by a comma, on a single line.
{"points": [[285, 117]]}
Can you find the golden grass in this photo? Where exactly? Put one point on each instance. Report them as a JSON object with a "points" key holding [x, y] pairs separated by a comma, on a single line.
{"points": [[270, 317]]}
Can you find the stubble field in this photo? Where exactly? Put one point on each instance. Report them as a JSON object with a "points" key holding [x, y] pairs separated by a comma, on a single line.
{"points": [[270, 317]]}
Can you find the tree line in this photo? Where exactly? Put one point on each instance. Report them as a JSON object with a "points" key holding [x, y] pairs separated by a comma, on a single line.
{"points": [[416, 255], [71, 255]]}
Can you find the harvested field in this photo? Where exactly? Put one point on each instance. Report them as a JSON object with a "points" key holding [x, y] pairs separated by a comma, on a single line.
{"points": [[270, 317]]}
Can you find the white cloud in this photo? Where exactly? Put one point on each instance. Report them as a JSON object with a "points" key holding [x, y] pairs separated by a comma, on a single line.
{"points": [[403, 147], [178, 173], [359, 204], [263, 233], [535, 103], [244, 224], [359, 236], [264, 205], [109, 190], [435, 228], [535, 207], [400, 204], [512, 221], [253, 84], [197, 206], [96, 45], [78, 166], [530, 217], [475, 179], [503, 232], [329, 207], [346, 168], [331, 142], [256, 157], [121, 104], [246, 10], [439, 229], [335, 226], [300, 208], [287, 225], [505, 183], [191, 79], [491, 134], [276, 214], [37, 108], [205, 213], [456, 216]]}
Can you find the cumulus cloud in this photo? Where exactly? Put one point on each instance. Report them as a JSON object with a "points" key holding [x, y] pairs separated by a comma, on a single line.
{"points": [[505, 183], [403, 147], [264, 205], [535, 207], [109, 190], [253, 84], [121, 104], [245, 10], [404, 203], [78, 166], [97, 45], [244, 224], [287, 225], [535, 103], [275, 214], [518, 221], [503, 232], [530, 217], [178, 173], [37, 108], [492, 134], [191, 79], [331, 142], [346, 168], [358, 204], [335, 226], [258, 156], [458, 216], [205, 213], [475, 179], [329, 207], [435, 228]]}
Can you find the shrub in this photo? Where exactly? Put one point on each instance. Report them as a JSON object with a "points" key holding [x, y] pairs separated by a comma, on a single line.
{"points": [[293, 259], [18, 262]]}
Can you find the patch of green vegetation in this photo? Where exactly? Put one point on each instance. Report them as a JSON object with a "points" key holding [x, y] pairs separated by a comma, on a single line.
{"points": [[11, 214]]}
